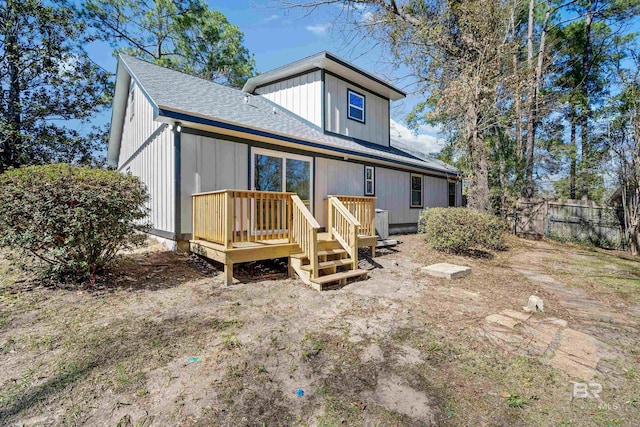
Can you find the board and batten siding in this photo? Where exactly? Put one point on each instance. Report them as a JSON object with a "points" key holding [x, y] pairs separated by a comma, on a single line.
{"points": [[436, 192], [335, 177], [302, 95], [151, 158], [376, 126], [209, 164], [393, 194]]}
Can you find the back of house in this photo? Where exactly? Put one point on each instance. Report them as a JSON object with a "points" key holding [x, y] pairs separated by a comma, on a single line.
{"points": [[316, 127]]}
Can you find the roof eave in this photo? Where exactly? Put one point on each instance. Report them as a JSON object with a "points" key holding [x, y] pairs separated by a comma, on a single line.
{"points": [[171, 115], [327, 61], [118, 111]]}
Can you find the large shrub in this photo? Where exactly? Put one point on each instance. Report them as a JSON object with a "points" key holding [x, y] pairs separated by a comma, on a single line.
{"points": [[459, 230], [71, 220]]}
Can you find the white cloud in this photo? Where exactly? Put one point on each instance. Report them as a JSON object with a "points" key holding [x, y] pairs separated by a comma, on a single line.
{"points": [[272, 18], [318, 30], [425, 141]]}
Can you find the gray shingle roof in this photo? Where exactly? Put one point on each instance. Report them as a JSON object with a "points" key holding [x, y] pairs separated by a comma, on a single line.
{"points": [[175, 91]]}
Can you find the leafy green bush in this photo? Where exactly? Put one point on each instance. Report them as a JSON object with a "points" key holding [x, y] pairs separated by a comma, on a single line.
{"points": [[71, 221], [458, 230]]}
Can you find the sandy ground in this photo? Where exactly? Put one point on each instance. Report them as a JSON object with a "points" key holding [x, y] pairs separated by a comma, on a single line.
{"points": [[163, 342]]}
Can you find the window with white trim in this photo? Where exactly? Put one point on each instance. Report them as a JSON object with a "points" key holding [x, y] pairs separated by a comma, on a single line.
{"points": [[356, 103], [369, 181], [416, 191]]}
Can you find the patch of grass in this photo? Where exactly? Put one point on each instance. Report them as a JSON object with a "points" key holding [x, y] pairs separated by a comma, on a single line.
{"points": [[602, 272], [630, 373], [8, 345], [221, 325], [4, 318], [517, 401], [248, 394], [126, 378], [230, 341], [313, 344]]}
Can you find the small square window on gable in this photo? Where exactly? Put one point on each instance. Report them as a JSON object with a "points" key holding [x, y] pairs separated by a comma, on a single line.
{"points": [[356, 106]]}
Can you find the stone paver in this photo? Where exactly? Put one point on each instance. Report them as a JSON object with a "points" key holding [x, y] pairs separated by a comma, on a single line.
{"points": [[576, 353], [516, 314], [498, 319], [447, 271], [572, 367]]}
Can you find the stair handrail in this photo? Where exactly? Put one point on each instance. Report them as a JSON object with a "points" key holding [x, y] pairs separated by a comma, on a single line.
{"points": [[343, 226], [305, 232]]}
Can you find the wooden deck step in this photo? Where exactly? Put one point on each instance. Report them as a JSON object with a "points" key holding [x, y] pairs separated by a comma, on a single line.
{"points": [[329, 264], [339, 276], [321, 253]]}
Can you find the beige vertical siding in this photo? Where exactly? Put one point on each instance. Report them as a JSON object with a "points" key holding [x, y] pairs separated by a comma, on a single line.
{"points": [[436, 192], [153, 164], [376, 126], [300, 95], [393, 194], [209, 164], [338, 178]]}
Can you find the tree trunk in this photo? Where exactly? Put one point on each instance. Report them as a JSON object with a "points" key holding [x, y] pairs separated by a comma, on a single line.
{"points": [[517, 92], [584, 113], [534, 91], [527, 190], [479, 182], [573, 153]]}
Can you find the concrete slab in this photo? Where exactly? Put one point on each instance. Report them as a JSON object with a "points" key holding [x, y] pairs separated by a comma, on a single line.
{"points": [[447, 271]]}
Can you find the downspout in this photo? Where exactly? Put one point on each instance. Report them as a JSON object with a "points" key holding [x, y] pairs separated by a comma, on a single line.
{"points": [[176, 128]]}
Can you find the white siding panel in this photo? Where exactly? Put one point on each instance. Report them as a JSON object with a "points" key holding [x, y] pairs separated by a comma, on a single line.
{"points": [[154, 166], [376, 126], [138, 128], [337, 178], [210, 164], [392, 192], [151, 162], [301, 95], [436, 192]]}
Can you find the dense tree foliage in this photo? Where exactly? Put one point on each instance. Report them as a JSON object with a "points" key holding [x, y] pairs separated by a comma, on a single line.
{"points": [[181, 34], [518, 86], [49, 88]]}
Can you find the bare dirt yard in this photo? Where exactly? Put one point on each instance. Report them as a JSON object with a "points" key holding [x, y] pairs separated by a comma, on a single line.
{"points": [[161, 342]]}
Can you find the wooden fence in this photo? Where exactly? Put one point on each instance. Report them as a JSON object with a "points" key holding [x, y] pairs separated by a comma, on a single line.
{"points": [[574, 220]]}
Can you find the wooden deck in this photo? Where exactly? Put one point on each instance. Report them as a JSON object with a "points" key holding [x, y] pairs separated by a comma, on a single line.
{"points": [[235, 226]]}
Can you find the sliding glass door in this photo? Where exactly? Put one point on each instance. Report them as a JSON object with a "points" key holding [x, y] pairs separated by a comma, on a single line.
{"points": [[280, 171]]}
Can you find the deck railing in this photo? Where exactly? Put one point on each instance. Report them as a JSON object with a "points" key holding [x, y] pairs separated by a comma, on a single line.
{"points": [[344, 227], [233, 216], [363, 209], [304, 232]]}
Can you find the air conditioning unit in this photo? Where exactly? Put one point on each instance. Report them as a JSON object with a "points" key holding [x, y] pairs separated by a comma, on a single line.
{"points": [[382, 223]]}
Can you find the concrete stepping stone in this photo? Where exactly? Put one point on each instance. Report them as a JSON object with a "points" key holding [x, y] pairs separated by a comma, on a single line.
{"points": [[447, 271]]}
